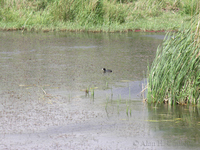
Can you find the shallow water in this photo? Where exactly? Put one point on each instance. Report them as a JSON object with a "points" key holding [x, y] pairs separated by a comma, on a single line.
{"points": [[44, 105]]}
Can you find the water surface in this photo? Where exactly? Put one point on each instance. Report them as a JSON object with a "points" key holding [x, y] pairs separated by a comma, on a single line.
{"points": [[44, 105]]}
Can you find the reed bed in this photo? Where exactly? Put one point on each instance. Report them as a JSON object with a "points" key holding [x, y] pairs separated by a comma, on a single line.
{"points": [[174, 76]]}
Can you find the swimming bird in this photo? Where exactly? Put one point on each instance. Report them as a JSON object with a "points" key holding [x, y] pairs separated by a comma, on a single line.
{"points": [[106, 70]]}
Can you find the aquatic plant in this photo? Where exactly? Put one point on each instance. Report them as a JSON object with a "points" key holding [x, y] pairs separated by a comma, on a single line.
{"points": [[106, 84], [92, 92], [127, 108], [118, 103], [174, 76], [107, 101]]}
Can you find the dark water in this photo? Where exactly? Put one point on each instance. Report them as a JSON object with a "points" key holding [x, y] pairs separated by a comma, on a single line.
{"points": [[43, 104]]}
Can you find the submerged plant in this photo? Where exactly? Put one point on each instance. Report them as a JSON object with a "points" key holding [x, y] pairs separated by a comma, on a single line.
{"points": [[107, 101], [118, 103], [175, 73], [128, 109], [106, 84]]}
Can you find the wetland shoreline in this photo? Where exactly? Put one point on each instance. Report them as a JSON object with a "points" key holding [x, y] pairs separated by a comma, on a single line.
{"points": [[95, 16]]}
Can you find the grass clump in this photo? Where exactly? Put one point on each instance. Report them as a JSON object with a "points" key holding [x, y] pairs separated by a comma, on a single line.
{"points": [[98, 15], [175, 73]]}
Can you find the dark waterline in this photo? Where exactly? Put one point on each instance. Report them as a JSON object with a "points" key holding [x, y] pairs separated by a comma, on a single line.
{"points": [[43, 101]]}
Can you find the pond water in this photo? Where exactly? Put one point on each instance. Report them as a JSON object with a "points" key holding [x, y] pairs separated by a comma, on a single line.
{"points": [[54, 94]]}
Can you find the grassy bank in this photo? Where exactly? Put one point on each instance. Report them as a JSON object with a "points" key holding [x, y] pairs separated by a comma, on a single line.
{"points": [[98, 15], [174, 77]]}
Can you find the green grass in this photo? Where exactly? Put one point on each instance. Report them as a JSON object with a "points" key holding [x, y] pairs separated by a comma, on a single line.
{"points": [[98, 16], [175, 73]]}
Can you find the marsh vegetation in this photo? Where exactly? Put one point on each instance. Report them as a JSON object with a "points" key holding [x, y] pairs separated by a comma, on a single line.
{"points": [[97, 16], [175, 73]]}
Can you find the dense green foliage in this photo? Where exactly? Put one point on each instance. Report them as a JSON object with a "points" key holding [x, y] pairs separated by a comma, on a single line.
{"points": [[175, 73], [106, 15]]}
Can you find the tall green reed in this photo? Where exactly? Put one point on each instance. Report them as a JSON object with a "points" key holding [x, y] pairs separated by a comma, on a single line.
{"points": [[175, 73]]}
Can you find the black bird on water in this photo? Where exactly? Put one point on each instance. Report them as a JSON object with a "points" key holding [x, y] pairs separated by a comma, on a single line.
{"points": [[106, 70]]}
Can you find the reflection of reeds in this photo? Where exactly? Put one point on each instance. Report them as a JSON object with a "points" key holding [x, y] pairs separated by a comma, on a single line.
{"points": [[144, 88], [128, 109], [183, 117], [118, 103], [175, 73], [106, 103]]}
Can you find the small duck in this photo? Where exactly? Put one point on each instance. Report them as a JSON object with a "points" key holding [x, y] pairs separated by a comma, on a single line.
{"points": [[106, 70]]}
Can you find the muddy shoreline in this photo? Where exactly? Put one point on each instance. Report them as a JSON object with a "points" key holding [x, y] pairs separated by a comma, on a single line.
{"points": [[79, 30]]}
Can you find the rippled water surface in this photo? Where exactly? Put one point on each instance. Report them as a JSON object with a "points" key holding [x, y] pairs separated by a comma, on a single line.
{"points": [[54, 94]]}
